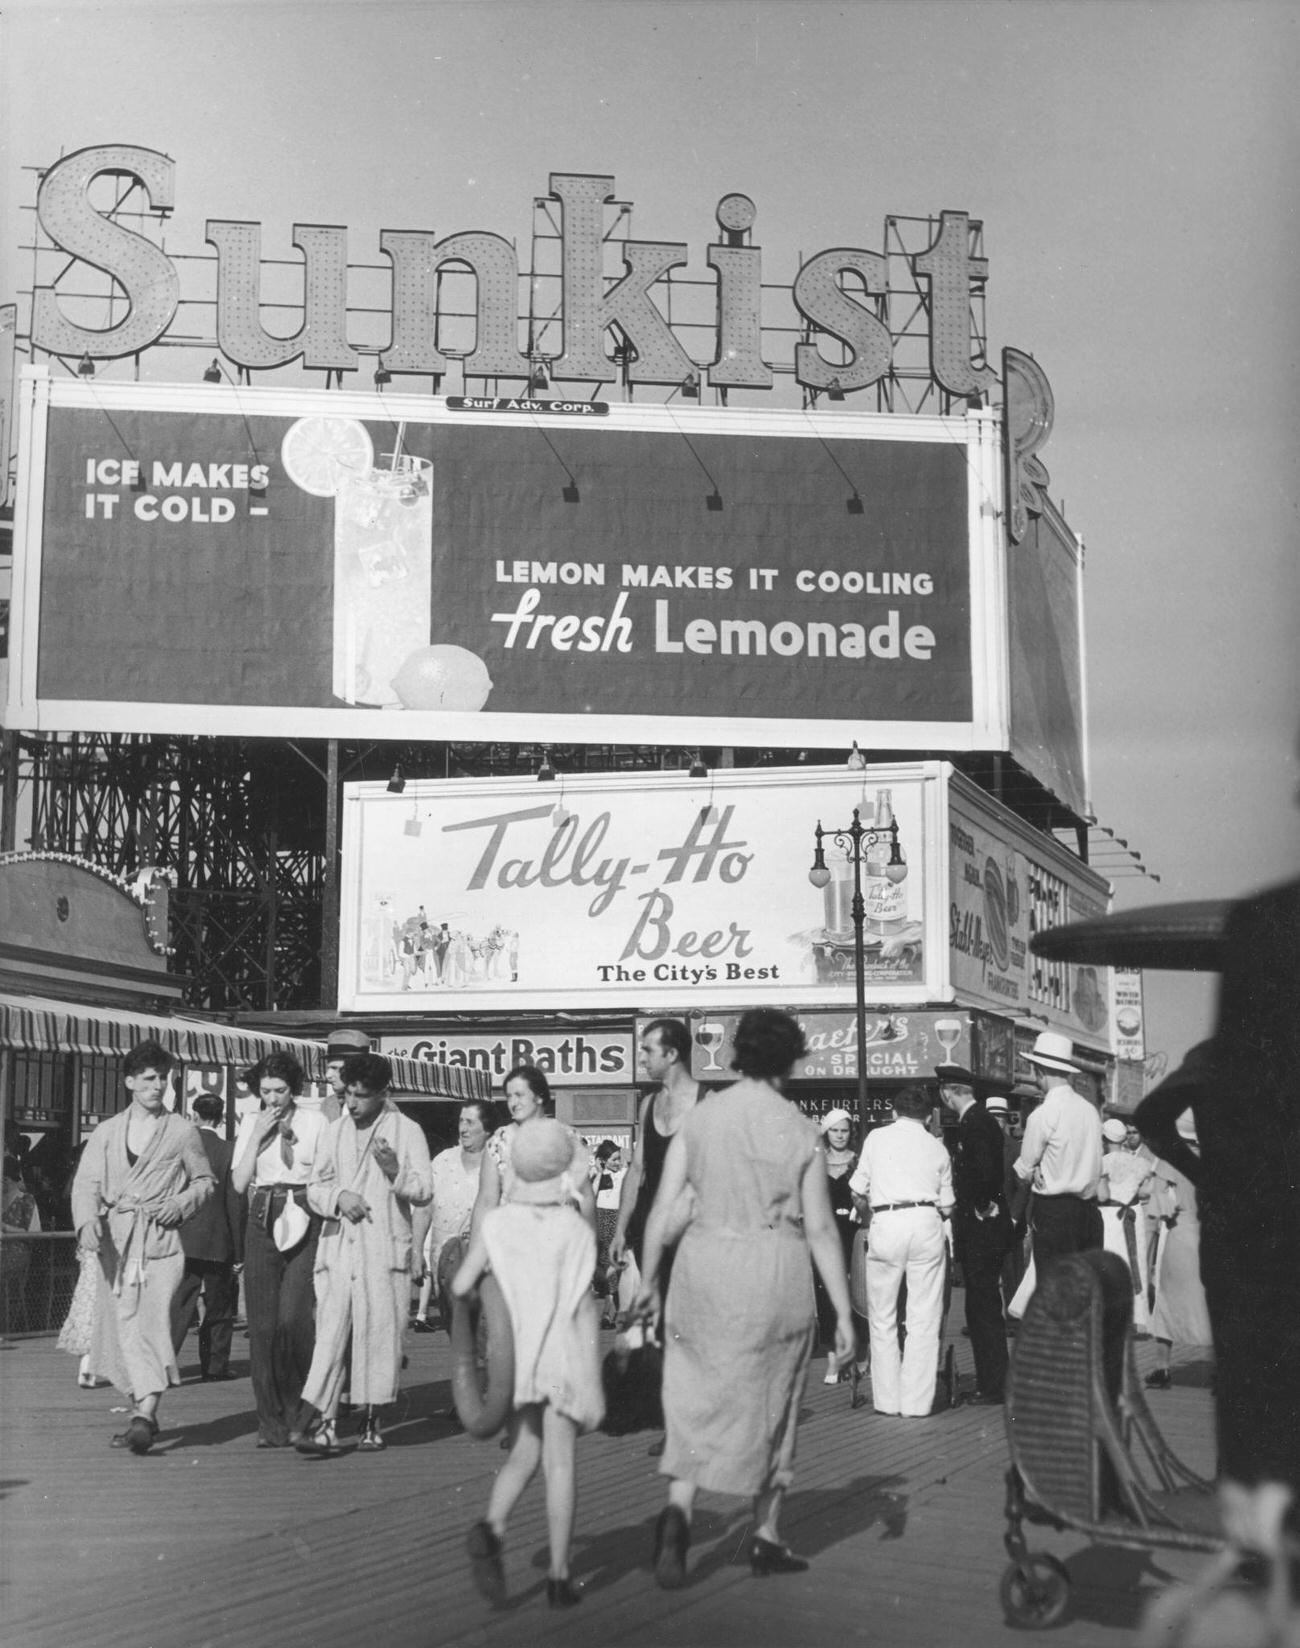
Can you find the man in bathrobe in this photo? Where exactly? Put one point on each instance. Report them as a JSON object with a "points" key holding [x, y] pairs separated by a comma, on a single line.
{"points": [[142, 1174], [371, 1170]]}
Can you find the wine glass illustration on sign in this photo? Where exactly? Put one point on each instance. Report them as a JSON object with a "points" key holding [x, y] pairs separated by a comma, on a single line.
{"points": [[949, 1034], [710, 1035]]}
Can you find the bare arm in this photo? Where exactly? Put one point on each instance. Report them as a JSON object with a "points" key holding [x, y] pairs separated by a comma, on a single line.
{"points": [[631, 1185], [471, 1267], [648, 1303], [241, 1173], [827, 1252], [489, 1192]]}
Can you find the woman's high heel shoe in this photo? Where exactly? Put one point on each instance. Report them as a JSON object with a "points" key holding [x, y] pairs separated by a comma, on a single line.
{"points": [[562, 1593], [766, 1558]]}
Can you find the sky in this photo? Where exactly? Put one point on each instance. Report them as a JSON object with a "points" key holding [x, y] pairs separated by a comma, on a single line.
{"points": [[1133, 165]]}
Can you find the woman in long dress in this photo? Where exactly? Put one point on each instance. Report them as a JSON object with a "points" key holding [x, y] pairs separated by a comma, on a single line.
{"points": [[1180, 1315], [1125, 1185], [741, 1323]]}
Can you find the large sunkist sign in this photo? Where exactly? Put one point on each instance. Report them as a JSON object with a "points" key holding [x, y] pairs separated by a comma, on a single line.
{"points": [[235, 561], [833, 293], [619, 891]]}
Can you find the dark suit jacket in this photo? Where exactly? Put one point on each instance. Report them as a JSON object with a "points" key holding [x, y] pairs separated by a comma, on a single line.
{"points": [[216, 1231], [977, 1169]]}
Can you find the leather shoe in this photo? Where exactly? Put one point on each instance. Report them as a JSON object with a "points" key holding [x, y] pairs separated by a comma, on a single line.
{"points": [[672, 1541], [562, 1593], [138, 1435], [766, 1558], [486, 1566]]}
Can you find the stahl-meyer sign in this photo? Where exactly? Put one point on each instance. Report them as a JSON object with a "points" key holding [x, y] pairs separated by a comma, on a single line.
{"points": [[652, 354]]}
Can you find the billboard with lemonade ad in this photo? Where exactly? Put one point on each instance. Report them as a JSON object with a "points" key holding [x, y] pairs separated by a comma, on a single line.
{"points": [[232, 560], [620, 890]]}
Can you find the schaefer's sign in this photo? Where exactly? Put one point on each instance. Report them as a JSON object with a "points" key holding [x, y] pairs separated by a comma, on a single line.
{"points": [[243, 562], [571, 1058], [622, 891], [899, 1046]]}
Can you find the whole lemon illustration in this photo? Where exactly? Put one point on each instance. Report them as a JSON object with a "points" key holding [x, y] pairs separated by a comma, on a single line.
{"points": [[442, 678]]}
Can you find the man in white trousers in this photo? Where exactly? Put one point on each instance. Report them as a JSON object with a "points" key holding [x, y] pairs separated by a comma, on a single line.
{"points": [[902, 1185]]}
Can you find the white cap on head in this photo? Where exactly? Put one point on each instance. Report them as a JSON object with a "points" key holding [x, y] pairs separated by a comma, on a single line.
{"points": [[996, 1106], [836, 1118], [1114, 1129]]}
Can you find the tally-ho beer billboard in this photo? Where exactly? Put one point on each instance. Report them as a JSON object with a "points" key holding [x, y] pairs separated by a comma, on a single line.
{"points": [[295, 563], [502, 893]]}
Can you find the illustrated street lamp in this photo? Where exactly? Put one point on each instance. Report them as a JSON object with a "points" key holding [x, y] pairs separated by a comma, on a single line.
{"points": [[879, 851]]}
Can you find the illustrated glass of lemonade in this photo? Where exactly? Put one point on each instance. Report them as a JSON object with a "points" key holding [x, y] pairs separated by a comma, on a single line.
{"points": [[383, 551]]}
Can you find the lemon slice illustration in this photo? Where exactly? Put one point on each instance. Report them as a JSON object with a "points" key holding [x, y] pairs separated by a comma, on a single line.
{"points": [[320, 453], [442, 678]]}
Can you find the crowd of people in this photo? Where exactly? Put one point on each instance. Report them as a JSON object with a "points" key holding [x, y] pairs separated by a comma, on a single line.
{"points": [[740, 1232]]}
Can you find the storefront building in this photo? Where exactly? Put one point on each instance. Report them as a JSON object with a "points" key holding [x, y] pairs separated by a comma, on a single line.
{"points": [[668, 895], [679, 613]]}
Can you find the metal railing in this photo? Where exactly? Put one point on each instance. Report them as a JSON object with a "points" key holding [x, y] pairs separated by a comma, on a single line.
{"points": [[38, 1275]]}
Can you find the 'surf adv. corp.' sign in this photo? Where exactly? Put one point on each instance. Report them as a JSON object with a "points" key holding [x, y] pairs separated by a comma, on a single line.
{"points": [[652, 354]]}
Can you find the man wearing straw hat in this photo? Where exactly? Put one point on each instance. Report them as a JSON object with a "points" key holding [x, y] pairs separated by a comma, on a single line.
{"points": [[1060, 1158]]}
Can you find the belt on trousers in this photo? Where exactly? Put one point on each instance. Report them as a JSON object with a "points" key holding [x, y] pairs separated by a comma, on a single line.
{"points": [[263, 1199], [893, 1207]]}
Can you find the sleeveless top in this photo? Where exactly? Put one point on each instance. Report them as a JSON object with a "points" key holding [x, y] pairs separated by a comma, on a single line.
{"points": [[654, 1154]]}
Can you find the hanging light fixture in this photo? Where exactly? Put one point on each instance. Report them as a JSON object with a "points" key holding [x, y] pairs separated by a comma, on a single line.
{"points": [[856, 761], [546, 768], [397, 783], [698, 769], [85, 367], [212, 374]]}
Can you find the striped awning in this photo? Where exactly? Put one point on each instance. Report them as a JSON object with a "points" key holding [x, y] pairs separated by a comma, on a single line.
{"points": [[422, 1079], [42, 1025]]}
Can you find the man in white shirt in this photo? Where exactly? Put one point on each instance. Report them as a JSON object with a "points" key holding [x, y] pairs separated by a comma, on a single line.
{"points": [[903, 1186], [1060, 1158]]}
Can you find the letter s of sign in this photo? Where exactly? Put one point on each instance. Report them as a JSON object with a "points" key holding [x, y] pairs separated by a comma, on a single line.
{"points": [[818, 297], [146, 274]]}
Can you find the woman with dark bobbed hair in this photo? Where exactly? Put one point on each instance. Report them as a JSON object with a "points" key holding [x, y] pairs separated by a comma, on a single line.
{"points": [[740, 1320], [527, 1096], [275, 1152]]}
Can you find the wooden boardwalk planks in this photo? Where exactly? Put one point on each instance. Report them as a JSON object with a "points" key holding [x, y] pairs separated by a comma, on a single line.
{"points": [[209, 1543]]}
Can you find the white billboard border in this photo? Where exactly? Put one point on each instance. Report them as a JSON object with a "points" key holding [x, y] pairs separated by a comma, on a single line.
{"points": [[977, 432], [931, 989]]}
